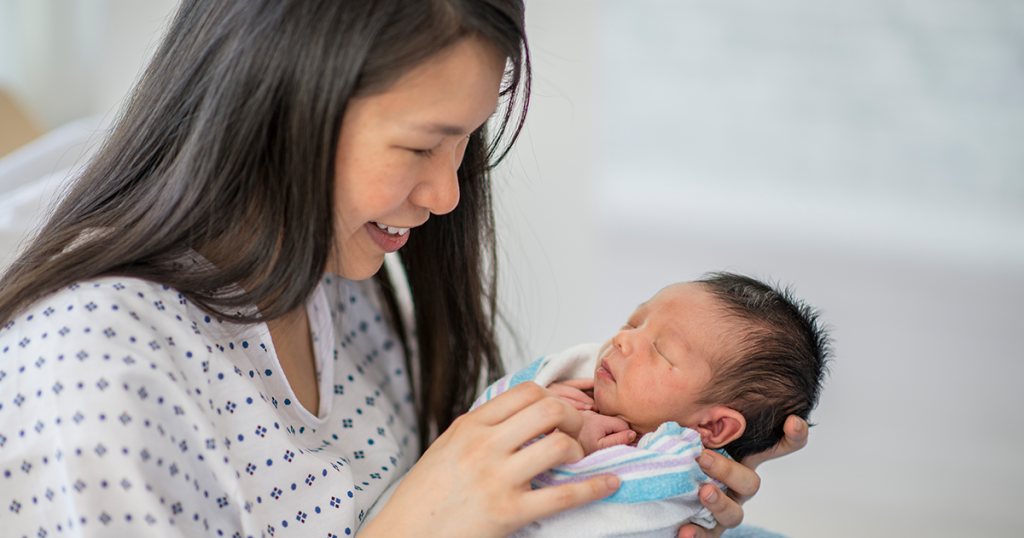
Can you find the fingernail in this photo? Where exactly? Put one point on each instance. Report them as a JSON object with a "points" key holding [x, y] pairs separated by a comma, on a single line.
{"points": [[631, 435], [712, 497], [612, 482], [705, 461], [799, 426]]}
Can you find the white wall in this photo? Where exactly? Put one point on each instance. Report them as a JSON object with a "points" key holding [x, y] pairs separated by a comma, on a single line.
{"points": [[545, 192], [66, 59], [868, 153]]}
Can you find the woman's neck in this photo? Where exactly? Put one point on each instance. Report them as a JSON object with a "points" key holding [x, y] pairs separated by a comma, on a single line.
{"points": [[293, 343]]}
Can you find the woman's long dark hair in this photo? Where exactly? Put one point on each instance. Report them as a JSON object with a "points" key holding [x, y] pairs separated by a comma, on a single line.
{"points": [[227, 147]]}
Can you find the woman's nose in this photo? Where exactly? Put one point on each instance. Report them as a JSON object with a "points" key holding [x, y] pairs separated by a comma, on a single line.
{"points": [[438, 190]]}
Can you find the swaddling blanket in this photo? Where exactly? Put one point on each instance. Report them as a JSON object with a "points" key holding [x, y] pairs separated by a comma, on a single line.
{"points": [[660, 476]]}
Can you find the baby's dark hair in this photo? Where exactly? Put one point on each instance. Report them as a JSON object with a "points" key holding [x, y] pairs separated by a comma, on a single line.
{"points": [[779, 364]]}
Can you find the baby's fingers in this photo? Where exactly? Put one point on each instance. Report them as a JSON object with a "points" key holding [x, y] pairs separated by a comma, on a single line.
{"points": [[572, 395], [550, 501], [624, 437]]}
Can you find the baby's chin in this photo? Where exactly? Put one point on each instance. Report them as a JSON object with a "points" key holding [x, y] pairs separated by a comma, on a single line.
{"points": [[598, 396]]}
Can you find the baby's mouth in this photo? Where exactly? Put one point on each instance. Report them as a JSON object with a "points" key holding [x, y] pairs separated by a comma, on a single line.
{"points": [[604, 371]]}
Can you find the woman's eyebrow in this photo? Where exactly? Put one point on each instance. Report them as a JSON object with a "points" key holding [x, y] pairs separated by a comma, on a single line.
{"points": [[440, 128]]}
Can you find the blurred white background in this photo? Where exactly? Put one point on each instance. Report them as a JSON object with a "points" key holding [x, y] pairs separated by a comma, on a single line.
{"points": [[870, 153]]}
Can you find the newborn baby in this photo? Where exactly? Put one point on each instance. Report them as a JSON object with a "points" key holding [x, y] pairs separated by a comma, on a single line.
{"points": [[717, 363]]}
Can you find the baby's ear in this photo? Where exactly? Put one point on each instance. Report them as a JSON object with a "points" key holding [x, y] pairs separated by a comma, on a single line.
{"points": [[720, 426]]}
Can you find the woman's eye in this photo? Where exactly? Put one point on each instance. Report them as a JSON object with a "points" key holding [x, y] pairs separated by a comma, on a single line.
{"points": [[423, 152]]}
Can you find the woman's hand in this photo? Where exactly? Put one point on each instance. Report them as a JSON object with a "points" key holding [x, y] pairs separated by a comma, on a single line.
{"points": [[741, 480], [474, 480]]}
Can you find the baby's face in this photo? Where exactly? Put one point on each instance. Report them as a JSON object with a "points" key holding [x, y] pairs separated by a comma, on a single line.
{"points": [[654, 369]]}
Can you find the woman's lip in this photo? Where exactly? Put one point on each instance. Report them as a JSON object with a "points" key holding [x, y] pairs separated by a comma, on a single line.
{"points": [[387, 242]]}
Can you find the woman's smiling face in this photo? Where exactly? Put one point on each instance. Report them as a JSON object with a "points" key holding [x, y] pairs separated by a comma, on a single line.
{"points": [[655, 368], [399, 151]]}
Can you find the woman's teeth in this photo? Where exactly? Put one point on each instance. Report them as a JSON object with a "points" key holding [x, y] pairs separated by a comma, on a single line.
{"points": [[391, 230]]}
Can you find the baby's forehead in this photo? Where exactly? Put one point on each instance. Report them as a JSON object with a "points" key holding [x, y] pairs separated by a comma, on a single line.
{"points": [[693, 305], [679, 296]]}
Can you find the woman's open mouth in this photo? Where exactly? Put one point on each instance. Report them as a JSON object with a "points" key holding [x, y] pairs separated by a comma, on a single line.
{"points": [[388, 238], [391, 230]]}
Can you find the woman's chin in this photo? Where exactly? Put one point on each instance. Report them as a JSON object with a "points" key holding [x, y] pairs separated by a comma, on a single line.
{"points": [[360, 269]]}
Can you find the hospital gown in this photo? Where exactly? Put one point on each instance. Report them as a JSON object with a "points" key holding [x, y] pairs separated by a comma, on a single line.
{"points": [[127, 410]]}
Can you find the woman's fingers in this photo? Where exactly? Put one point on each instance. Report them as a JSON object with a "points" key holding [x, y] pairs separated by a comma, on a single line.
{"points": [[695, 531], [795, 439], [549, 501], [538, 418], [523, 413], [728, 513], [509, 403], [543, 454], [474, 480], [742, 481]]}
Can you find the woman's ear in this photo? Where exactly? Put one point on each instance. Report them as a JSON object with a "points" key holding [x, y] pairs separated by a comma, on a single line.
{"points": [[721, 425]]}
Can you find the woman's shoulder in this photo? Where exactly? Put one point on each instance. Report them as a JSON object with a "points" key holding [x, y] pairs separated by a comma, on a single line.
{"points": [[101, 326], [102, 299]]}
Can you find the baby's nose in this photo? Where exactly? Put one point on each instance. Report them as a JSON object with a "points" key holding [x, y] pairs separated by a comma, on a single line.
{"points": [[624, 341]]}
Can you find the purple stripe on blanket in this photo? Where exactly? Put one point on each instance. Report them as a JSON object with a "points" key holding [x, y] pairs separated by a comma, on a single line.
{"points": [[555, 477], [648, 465], [547, 480], [602, 457]]}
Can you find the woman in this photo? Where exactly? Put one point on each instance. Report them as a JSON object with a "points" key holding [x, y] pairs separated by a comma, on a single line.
{"points": [[180, 358]]}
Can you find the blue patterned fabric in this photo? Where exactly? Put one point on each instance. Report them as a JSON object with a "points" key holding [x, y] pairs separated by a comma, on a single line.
{"points": [[749, 531]]}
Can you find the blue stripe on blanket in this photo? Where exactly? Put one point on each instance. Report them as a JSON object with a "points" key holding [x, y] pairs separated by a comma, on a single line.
{"points": [[654, 488], [526, 374], [509, 381], [666, 471]]}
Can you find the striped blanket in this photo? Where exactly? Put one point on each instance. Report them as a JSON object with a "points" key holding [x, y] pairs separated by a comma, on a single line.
{"points": [[660, 476]]}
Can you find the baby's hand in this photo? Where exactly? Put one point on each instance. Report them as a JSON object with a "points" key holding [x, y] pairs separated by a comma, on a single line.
{"points": [[600, 431], [571, 390]]}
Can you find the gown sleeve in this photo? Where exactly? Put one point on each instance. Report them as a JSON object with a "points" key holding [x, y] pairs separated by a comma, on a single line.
{"points": [[101, 432]]}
